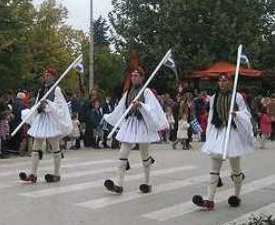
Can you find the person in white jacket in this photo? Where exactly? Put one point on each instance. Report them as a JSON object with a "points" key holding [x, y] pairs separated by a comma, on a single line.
{"points": [[50, 122], [140, 127], [182, 133], [241, 141]]}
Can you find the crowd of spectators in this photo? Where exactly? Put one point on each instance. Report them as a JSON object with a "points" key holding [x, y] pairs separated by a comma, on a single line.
{"points": [[186, 112]]}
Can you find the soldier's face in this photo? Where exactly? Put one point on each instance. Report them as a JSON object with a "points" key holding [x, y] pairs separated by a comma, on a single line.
{"points": [[225, 85], [97, 105], [48, 77], [136, 78]]}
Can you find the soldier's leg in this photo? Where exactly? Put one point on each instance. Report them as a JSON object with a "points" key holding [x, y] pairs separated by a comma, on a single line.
{"points": [[122, 167], [237, 177], [55, 149], [147, 161], [123, 162], [36, 155], [216, 164]]}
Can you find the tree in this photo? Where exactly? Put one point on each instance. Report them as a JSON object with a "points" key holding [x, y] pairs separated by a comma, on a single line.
{"points": [[200, 32], [101, 29], [15, 20], [52, 43], [46, 45], [31, 40], [108, 66], [109, 70]]}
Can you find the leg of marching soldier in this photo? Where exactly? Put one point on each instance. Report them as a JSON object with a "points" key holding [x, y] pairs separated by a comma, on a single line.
{"points": [[147, 162], [36, 154], [237, 177], [216, 164], [122, 167], [57, 155], [55, 148], [123, 162]]}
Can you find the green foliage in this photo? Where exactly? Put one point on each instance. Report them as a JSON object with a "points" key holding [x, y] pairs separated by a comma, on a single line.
{"points": [[108, 69], [32, 39], [48, 39], [101, 29], [15, 21], [200, 32]]}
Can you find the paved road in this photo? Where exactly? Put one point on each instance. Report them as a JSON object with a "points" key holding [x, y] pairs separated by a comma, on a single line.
{"points": [[80, 199]]}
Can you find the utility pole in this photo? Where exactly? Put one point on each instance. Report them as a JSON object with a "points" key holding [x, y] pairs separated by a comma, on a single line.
{"points": [[91, 57]]}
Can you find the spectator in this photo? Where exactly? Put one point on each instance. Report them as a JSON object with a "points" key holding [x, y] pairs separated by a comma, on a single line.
{"points": [[76, 131], [265, 128], [97, 116], [75, 104], [107, 108], [203, 124], [17, 108], [182, 134], [4, 131], [89, 136], [171, 121]]}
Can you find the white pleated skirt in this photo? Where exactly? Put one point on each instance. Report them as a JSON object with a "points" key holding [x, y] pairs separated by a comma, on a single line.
{"points": [[133, 131], [45, 126], [238, 143]]}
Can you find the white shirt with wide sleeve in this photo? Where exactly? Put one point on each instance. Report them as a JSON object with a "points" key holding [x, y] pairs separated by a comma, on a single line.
{"points": [[55, 122], [241, 139], [133, 130]]}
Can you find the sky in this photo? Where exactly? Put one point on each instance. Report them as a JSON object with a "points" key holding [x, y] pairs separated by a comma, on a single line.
{"points": [[79, 11]]}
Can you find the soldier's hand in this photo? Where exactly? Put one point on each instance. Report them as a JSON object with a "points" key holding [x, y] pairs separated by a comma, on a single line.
{"points": [[42, 106], [136, 105]]}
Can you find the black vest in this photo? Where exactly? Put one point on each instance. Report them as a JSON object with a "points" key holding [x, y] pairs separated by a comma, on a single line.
{"points": [[131, 94], [42, 91], [217, 121]]}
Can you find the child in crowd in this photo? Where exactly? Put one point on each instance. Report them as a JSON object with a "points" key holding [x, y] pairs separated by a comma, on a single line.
{"points": [[182, 134], [265, 127], [76, 131], [171, 121]]}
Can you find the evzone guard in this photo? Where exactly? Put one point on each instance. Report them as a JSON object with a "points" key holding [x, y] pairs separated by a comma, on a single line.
{"points": [[241, 141], [140, 126], [50, 122]]}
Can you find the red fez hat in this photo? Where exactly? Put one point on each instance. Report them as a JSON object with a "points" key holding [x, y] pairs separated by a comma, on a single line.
{"points": [[51, 71]]}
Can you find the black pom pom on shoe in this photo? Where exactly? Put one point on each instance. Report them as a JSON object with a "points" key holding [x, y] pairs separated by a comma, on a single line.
{"points": [[110, 186], [51, 178], [198, 200], [234, 201], [23, 176], [145, 188]]}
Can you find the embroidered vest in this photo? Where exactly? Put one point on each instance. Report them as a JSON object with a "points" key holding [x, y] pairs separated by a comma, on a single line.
{"points": [[221, 109], [44, 90], [131, 94]]}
